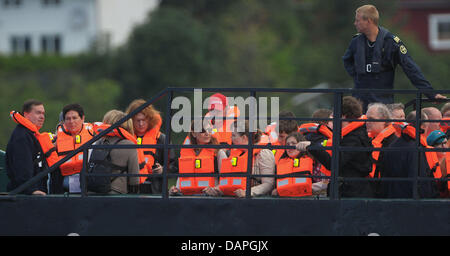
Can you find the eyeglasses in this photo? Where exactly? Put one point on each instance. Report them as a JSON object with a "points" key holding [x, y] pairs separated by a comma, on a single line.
{"points": [[441, 145], [207, 130]]}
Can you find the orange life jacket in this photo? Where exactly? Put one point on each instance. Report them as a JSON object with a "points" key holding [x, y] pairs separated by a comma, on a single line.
{"points": [[323, 170], [271, 131], [45, 139], [149, 138], [432, 158], [122, 133], [235, 163], [398, 127], [190, 162], [277, 153], [324, 130], [445, 124], [377, 143], [447, 165], [315, 128], [319, 128], [294, 186], [346, 130], [66, 143]]}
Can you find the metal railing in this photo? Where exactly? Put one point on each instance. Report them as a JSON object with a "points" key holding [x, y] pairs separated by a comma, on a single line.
{"points": [[335, 177]]}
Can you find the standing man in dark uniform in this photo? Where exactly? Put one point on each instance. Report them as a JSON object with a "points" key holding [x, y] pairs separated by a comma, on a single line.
{"points": [[372, 57]]}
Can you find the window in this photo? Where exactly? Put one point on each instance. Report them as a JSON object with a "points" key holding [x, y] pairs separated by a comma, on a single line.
{"points": [[50, 2], [20, 44], [51, 44], [439, 31], [12, 3]]}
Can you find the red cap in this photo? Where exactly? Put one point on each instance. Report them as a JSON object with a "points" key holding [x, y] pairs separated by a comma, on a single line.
{"points": [[217, 101]]}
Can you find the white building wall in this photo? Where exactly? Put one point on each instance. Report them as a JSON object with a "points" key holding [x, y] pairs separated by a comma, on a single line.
{"points": [[118, 17], [78, 22], [33, 18]]}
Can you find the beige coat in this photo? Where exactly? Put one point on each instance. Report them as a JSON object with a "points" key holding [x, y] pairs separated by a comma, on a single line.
{"points": [[124, 157]]}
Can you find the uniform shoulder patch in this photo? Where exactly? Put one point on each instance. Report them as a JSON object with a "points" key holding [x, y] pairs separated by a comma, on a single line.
{"points": [[403, 49], [396, 39]]}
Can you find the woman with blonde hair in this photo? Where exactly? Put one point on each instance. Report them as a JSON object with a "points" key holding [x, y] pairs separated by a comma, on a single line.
{"points": [[125, 159]]}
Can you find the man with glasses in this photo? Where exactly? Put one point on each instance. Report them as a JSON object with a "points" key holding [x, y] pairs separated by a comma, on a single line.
{"points": [[382, 134], [438, 139]]}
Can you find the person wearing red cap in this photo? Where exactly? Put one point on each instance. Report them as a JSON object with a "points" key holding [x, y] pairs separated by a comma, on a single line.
{"points": [[221, 116]]}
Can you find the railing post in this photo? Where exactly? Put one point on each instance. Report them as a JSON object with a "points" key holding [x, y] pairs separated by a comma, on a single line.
{"points": [[248, 185], [419, 155], [337, 124], [165, 192], [83, 172]]}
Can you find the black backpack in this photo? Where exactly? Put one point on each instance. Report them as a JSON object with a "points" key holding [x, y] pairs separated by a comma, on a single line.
{"points": [[100, 163]]}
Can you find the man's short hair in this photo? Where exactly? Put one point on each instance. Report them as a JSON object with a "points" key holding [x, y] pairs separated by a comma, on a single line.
{"points": [[430, 111], [322, 113], [29, 104], [395, 106], [411, 117], [287, 126], [370, 12], [75, 107], [445, 108], [351, 107], [382, 110]]}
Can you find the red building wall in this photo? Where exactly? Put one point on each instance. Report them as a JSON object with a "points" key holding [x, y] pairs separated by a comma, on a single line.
{"points": [[414, 17]]}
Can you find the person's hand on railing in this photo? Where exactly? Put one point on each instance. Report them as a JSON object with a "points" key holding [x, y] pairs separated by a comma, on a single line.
{"points": [[174, 191], [301, 146], [240, 193], [158, 169], [275, 192], [440, 96], [212, 191], [39, 193]]}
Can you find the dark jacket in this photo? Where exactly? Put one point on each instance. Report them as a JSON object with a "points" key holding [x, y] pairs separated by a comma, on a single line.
{"points": [[405, 164], [379, 164], [314, 137], [380, 168], [157, 182], [382, 60], [351, 163], [23, 160]]}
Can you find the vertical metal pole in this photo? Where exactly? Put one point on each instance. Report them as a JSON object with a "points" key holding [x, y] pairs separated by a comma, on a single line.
{"points": [[248, 187], [168, 115], [419, 155], [83, 178], [337, 124]]}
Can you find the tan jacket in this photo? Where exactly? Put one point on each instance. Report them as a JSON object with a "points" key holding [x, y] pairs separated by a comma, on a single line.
{"points": [[264, 164], [124, 157]]}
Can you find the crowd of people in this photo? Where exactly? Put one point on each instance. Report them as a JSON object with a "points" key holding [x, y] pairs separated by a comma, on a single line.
{"points": [[303, 168], [370, 60]]}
